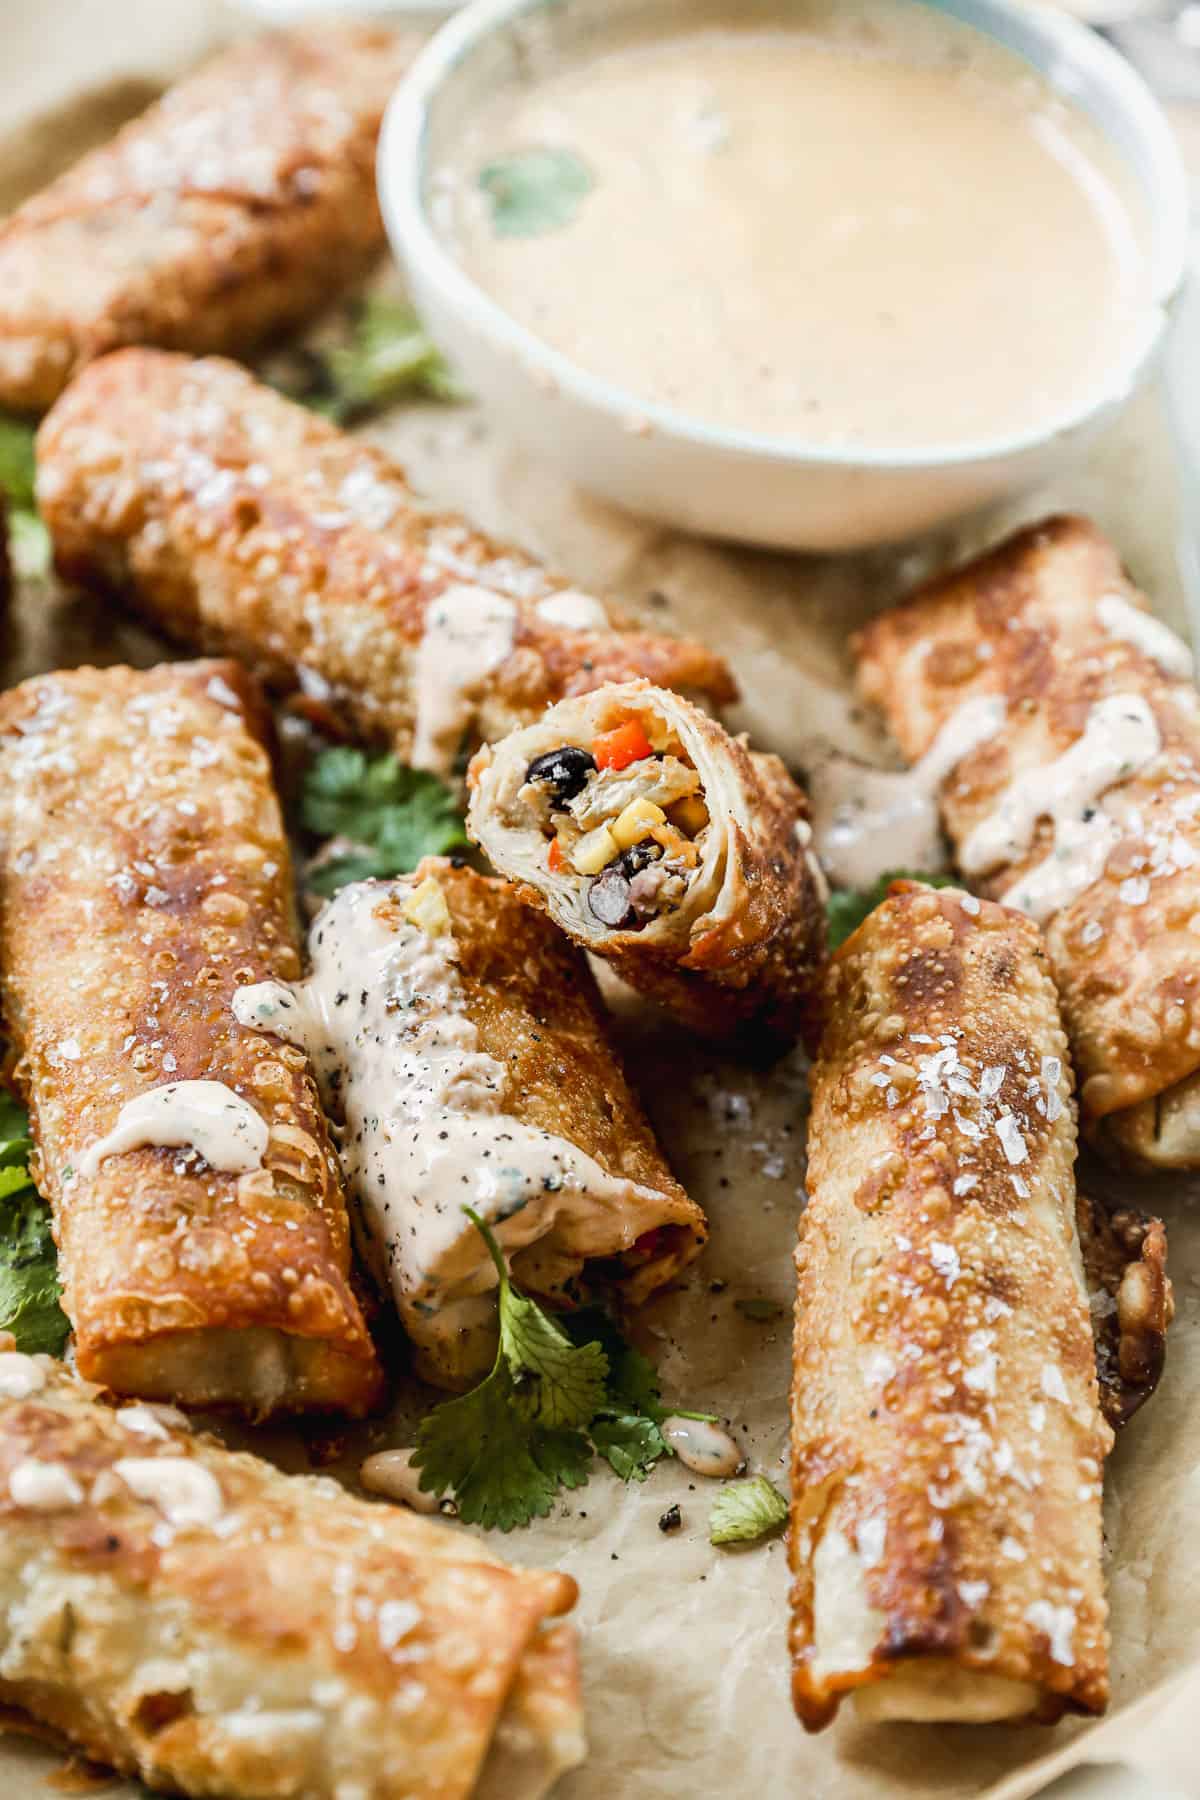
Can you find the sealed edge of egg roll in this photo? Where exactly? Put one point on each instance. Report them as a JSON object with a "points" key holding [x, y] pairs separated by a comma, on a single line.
{"points": [[239, 522], [656, 840], [233, 208], [947, 1439], [1080, 805], [198, 1208], [197, 1618], [460, 1040]]}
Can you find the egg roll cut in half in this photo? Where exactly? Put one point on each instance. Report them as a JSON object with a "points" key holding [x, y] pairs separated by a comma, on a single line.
{"points": [[1083, 807], [659, 842], [947, 1439], [238, 521], [200, 1620], [201, 1222], [236, 206], [460, 1040]]}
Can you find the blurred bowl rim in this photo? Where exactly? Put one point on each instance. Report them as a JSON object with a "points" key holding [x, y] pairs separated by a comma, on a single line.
{"points": [[1050, 40]]}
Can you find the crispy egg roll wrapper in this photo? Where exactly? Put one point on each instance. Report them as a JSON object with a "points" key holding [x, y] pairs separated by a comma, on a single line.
{"points": [[741, 955], [947, 1440], [234, 208], [470, 1063], [1027, 622], [239, 522], [144, 874], [196, 1618]]}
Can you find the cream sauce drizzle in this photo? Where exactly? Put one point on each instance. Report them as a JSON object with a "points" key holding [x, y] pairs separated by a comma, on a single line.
{"points": [[184, 1491], [20, 1376], [702, 1447], [391, 1473], [573, 611], [382, 1016], [867, 821], [468, 633], [205, 1116], [1120, 738], [1121, 619]]}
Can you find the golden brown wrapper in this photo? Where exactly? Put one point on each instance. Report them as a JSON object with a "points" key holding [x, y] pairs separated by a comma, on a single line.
{"points": [[489, 1080], [201, 1620], [144, 874], [741, 957], [235, 207], [237, 521], [1024, 622], [947, 1439]]}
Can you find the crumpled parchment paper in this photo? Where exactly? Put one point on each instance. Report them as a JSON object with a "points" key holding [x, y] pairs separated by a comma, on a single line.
{"points": [[684, 1646]]}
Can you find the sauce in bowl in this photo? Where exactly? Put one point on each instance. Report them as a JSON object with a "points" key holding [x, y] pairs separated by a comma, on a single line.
{"points": [[875, 228]]}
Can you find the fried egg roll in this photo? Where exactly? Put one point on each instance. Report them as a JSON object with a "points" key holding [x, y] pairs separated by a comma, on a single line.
{"points": [[200, 1620], [199, 1213], [237, 521], [1082, 807], [947, 1439], [659, 842], [460, 1040], [235, 207]]}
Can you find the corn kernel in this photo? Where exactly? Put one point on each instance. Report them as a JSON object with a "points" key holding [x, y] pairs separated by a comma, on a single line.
{"points": [[636, 822], [594, 851], [690, 814], [426, 908]]}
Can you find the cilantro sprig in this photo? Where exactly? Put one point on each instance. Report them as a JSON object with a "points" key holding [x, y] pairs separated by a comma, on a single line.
{"points": [[30, 539], [846, 908], [381, 356], [558, 1395], [391, 816], [29, 1289]]}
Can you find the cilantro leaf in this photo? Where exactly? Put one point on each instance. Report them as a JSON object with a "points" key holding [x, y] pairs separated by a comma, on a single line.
{"points": [[391, 815], [744, 1510], [29, 537], [380, 355], [534, 191], [487, 1450], [29, 1290], [570, 1378], [630, 1443], [389, 357], [848, 907]]}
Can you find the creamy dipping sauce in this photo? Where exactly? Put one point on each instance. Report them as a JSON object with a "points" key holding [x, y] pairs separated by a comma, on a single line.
{"points": [[873, 227]]}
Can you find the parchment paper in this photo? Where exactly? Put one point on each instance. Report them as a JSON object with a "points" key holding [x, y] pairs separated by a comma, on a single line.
{"points": [[684, 1646]]}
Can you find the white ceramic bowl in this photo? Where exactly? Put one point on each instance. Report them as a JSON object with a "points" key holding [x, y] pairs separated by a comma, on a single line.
{"points": [[701, 477]]}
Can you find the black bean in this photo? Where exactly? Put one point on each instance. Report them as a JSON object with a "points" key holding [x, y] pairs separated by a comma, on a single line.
{"points": [[638, 857], [563, 771], [608, 897]]}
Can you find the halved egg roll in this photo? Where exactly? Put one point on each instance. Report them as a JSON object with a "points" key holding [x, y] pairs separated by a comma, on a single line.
{"points": [[1082, 807], [947, 1440], [659, 842], [235, 207], [238, 521], [200, 1620], [461, 1042], [202, 1229]]}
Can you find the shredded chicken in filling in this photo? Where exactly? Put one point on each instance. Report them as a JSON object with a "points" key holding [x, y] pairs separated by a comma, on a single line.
{"points": [[626, 813]]}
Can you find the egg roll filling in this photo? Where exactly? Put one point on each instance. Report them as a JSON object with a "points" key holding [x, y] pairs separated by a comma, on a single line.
{"points": [[426, 1128], [625, 812]]}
